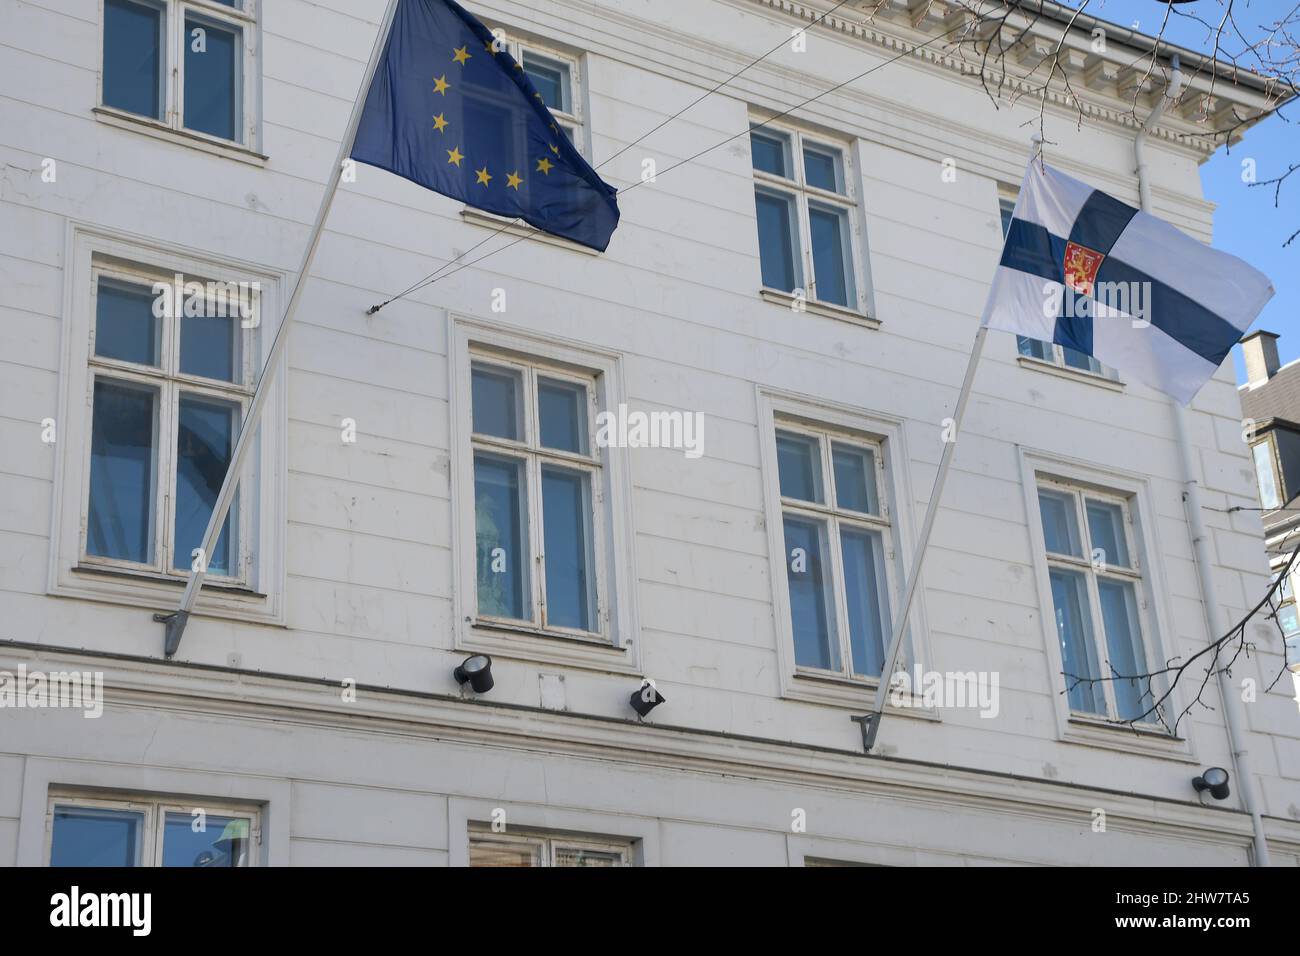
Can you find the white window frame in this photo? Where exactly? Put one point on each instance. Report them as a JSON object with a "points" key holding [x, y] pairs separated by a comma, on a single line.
{"points": [[545, 845], [1155, 611], [536, 456], [245, 21], [256, 592], [169, 383], [798, 189], [614, 646], [779, 411], [1276, 466], [154, 810]]}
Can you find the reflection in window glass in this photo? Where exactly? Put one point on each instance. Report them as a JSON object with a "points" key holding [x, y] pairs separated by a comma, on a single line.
{"points": [[1268, 494], [220, 841], [829, 228], [497, 407], [1070, 602], [125, 326], [864, 579], [562, 409], [501, 536], [798, 466], [133, 57], [205, 437], [570, 588], [810, 607], [776, 240]]}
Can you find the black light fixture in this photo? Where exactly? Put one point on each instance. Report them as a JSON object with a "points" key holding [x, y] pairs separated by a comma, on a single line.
{"points": [[645, 698], [477, 671], [1215, 780]]}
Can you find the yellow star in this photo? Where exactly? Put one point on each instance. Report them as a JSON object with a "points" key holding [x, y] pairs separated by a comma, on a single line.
{"points": [[513, 180], [555, 150], [440, 85], [483, 176], [440, 122], [545, 166], [539, 96], [455, 155], [460, 55]]}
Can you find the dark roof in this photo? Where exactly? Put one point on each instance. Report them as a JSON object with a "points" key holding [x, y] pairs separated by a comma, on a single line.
{"points": [[1279, 397]]}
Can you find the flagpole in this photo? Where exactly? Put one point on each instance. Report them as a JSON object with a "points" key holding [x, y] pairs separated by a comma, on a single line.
{"points": [[175, 621], [871, 722]]}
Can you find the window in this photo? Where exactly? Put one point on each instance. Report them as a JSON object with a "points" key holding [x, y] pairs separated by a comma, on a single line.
{"points": [[837, 537], [1266, 474], [183, 63], [804, 204], [167, 392], [557, 77], [537, 481], [499, 849], [1098, 600], [106, 832], [1050, 352]]}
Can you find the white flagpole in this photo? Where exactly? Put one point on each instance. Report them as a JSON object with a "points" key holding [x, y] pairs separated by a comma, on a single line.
{"points": [[871, 722], [176, 620]]}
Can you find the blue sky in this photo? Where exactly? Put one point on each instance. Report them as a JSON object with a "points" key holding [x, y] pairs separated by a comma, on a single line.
{"points": [[1246, 223]]}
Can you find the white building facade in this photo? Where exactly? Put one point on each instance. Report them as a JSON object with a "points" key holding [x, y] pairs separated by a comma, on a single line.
{"points": [[436, 480]]}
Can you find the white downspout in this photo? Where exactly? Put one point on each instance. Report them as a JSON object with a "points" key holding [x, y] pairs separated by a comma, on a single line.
{"points": [[1216, 624]]}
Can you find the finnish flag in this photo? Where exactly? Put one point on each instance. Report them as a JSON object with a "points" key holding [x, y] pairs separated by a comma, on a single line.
{"points": [[1084, 270]]}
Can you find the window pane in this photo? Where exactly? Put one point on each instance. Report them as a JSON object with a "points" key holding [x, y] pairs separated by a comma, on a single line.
{"points": [[211, 79], [223, 842], [829, 241], [1034, 348], [855, 478], [123, 465], [133, 57], [776, 241], [1060, 523], [1006, 207], [1124, 645], [501, 537], [799, 466], [864, 587], [210, 347], [1080, 360], [810, 617], [205, 437], [566, 517], [1268, 496], [562, 410], [497, 400], [768, 153], [1074, 628], [1106, 528], [581, 856], [95, 836], [551, 80], [491, 853], [820, 169], [125, 327]]}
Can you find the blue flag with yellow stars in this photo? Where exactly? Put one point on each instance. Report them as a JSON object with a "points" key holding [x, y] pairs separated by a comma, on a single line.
{"points": [[449, 111]]}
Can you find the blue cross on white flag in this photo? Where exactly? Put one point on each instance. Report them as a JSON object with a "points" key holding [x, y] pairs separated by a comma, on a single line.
{"points": [[1084, 270]]}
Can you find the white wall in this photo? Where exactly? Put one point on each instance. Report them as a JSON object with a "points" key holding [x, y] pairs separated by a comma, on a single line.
{"points": [[369, 557]]}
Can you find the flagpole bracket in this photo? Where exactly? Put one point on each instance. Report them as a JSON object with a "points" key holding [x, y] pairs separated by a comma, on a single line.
{"points": [[175, 621], [869, 725]]}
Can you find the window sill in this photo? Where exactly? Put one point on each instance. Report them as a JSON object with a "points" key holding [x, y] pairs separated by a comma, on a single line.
{"points": [[1072, 374], [525, 642], [777, 297], [155, 592], [159, 130], [1096, 732], [856, 694], [508, 227]]}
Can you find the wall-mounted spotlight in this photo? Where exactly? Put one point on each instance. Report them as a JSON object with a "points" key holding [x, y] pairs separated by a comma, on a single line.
{"points": [[476, 670], [1214, 780], [646, 698]]}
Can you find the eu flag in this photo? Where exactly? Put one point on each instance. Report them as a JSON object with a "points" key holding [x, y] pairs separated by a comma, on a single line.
{"points": [[448, 111]]}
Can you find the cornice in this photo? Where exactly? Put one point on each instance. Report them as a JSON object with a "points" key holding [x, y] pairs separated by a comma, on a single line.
{"points": [[1111, 86]]}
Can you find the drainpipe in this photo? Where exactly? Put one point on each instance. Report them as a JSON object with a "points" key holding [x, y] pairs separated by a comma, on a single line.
{"points": [[1215, 622]]}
